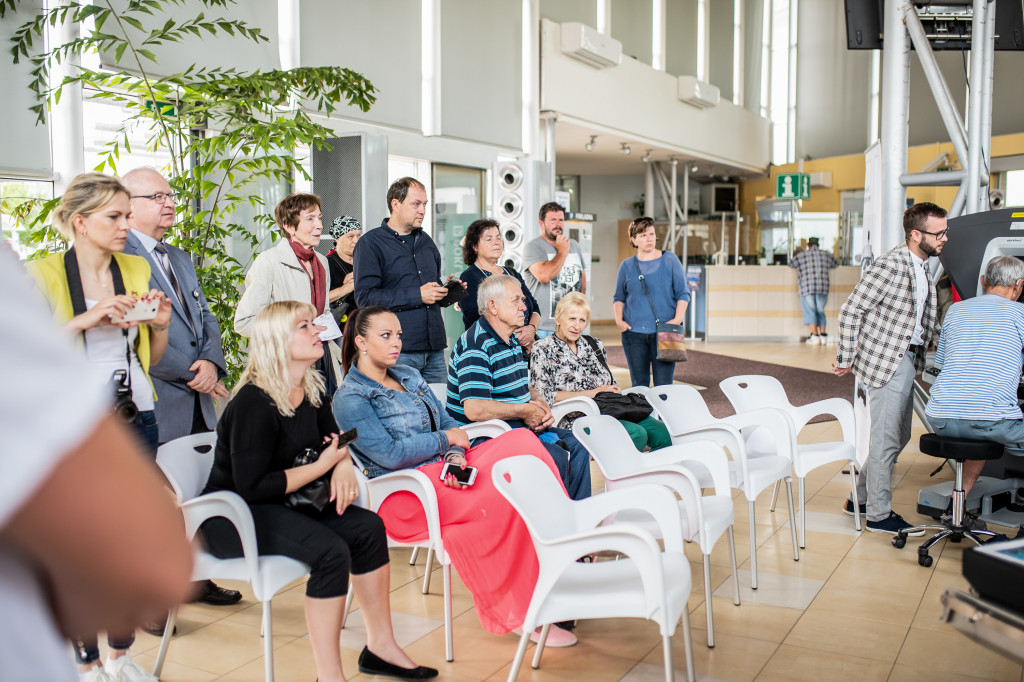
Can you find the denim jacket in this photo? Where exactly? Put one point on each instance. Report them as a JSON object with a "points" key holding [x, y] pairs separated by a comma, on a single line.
{"points": [[394, 427]]}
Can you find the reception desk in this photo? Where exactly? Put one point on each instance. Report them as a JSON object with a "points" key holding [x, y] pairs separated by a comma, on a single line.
{"points": [[761, 303]]}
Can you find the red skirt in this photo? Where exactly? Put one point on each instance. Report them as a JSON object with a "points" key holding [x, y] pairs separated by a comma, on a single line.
{"points": [[487, 541]]}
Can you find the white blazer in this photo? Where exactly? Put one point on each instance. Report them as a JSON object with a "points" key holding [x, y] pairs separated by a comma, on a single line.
{"points": [[275, 275]]}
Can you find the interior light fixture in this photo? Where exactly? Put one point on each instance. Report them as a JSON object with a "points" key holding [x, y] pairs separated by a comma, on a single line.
{"points": [[646, 158], [625, 149], [590, 145], [693, 168]]}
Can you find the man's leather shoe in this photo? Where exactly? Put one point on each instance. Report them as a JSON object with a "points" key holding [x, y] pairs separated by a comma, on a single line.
{"points": [[211, 594], [156, 627], [371, 664]]}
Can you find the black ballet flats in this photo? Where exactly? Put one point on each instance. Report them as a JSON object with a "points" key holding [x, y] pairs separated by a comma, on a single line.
{"points": [[371, 664]]}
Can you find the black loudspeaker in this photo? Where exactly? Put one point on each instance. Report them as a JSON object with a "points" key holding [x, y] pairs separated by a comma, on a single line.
{"points": [[520, 189], [351, 178]]}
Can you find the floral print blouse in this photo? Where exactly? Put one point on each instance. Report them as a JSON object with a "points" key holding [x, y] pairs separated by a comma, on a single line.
{"points": [[554, 367]]}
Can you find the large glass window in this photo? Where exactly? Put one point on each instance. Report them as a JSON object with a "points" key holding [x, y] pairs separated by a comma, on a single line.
{"points": [[1015, 188], [14, 193], [780, 18]]}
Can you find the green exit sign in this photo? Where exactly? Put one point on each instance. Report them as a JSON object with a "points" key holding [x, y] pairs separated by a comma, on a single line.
{"points": [[793, 186]]}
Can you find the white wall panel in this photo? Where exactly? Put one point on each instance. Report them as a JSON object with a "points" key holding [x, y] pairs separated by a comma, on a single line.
{"points": [[681, 48], [632, 22], [24, 146], [380, 40], [481, 71], [570, 10], [720, 15]]}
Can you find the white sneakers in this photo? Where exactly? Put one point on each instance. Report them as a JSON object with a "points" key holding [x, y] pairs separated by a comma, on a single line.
{"points": [[122, 669], [813, 340]]}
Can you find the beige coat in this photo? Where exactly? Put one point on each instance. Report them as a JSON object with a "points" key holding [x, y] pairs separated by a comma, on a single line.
{"points": [[275, 275]]}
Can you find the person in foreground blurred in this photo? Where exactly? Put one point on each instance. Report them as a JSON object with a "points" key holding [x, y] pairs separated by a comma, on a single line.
{"points": [[402, 425], [569, 364], [58, 577], [481, 251], [278, 411]]}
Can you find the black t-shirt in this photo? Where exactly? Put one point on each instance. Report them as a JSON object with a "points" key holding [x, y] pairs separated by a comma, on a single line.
{"points": [[255, 444], [339, 269]]}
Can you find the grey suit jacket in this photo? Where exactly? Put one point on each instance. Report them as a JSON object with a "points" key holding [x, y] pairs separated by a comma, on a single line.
{"points": [[175, 400]]}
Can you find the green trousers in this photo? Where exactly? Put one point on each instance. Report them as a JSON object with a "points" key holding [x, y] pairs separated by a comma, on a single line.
{"points": [[648, 433]]}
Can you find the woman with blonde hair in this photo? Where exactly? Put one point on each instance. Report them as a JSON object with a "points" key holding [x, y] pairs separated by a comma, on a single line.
{"points": [[278, 412], [569, 363], [90, 288]]}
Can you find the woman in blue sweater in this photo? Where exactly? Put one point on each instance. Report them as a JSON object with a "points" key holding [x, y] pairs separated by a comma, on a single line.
{"points": [[634, 316]]}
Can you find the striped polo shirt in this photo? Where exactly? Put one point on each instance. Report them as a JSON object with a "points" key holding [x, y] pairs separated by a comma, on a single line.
{"points": [[483, 366], [981, 352]]}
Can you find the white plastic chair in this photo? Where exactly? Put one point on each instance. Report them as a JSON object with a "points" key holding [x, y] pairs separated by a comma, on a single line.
{"points": [[704, 517], [688, 420], [578, 403], [187, 470], [373, 492], [754, 392], [650, 583]]}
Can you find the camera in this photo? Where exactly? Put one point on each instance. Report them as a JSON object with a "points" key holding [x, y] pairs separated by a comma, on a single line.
{"points": [[124, 406]]}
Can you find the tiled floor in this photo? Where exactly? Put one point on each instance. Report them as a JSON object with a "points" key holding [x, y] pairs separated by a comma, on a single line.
{"points": [[852, 608]]}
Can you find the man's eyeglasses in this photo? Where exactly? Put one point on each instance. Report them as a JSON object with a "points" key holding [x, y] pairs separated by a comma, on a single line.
{"points": [[159, 197], [937, 235]]}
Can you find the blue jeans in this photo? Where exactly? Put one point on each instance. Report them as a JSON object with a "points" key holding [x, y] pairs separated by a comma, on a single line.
{"points": [[145, 428], [1009, 432], [429, 363], [641, 356], [814, 308], [574, 469]]}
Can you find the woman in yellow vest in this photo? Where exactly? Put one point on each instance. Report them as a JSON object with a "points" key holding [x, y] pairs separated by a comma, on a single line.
{"points": [[89, 288]]}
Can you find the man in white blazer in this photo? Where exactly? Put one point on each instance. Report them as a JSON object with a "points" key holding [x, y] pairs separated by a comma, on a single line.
{"points": [[187, 378]]}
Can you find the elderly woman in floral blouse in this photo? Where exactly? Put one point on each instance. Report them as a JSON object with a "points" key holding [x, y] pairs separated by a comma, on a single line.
{"points": [[568, 364]]}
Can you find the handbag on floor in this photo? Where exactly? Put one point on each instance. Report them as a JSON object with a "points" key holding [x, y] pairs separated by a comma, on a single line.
{"points": [[671, 337]]}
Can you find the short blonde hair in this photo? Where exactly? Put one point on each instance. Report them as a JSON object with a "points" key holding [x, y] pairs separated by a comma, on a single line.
{"points": [[270, 354], [573, 299], [87, 193]]}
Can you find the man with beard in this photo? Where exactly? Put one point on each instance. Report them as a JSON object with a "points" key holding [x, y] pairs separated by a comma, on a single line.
{"points": [[554, 266], [885, 328]]}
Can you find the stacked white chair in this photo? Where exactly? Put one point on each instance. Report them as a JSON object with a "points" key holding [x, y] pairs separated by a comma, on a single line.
{"points": [[650, 583], [688, 420], [704, 518]]}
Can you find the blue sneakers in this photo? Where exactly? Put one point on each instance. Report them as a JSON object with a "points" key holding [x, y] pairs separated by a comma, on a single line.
{"points": [[848, 508], [892, 525]]}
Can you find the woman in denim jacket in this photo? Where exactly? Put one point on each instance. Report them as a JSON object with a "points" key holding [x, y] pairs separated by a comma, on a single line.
{"points": [[402, 425]]}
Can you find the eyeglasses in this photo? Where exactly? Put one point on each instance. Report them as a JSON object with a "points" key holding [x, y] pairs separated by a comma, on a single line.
{"points": [[937, 235], [159, 197]]}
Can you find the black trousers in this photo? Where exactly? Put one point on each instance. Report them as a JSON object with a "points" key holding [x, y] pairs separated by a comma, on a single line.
{"points": [[332, 545]]}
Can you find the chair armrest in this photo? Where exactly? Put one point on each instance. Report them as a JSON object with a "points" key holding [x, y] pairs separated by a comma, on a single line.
{"points": [[704, 454], [412, 481], [679, 479], [232, 507], [723, 434], [642, 390], [656, 500], [580, 403], [776, 422], [839, 408], [492, 428]]}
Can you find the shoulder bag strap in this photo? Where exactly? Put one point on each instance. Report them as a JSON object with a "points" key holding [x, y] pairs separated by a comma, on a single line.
{"points": [[636, 261], [592, 342]]}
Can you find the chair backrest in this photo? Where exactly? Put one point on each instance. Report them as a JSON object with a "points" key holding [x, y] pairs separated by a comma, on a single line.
{"points": [[609, 444], [679, 406], [753, 391], [536, 494], [186, 462]]}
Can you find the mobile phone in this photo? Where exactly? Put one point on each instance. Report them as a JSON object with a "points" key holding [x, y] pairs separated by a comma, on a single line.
{"points": [[142, 311], [347, 438], [465, 476]]}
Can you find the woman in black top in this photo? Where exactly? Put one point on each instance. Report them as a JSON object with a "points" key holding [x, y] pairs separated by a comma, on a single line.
{"points": [[278, 411], [481, 251], [346, 231]]}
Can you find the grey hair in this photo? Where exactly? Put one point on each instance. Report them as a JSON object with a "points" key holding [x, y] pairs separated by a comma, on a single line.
{"points": [[1003, 271], [492, 289]]}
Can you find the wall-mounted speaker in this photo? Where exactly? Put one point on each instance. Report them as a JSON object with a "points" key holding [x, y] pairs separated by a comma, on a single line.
{"points": [[351, 178], [520, 189]]}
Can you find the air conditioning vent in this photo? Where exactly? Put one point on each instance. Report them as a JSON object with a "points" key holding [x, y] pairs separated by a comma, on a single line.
{"points": [[697, 93], [586, 44]]}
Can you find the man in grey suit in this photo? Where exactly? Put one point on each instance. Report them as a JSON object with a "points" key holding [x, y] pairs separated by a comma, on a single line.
{"points": [[187, 378]]}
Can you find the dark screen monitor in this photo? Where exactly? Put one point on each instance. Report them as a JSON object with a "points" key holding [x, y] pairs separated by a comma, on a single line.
{"points": [[865, 22]]}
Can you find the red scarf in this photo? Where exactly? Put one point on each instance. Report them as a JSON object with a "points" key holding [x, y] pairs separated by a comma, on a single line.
{"points": [[318, 283]]}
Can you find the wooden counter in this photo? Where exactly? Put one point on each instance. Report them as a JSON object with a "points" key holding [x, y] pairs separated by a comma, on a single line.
{"points": [[761, 303]]}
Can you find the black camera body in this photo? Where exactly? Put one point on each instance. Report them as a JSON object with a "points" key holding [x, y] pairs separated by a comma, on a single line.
{"points": [[124, 406]]}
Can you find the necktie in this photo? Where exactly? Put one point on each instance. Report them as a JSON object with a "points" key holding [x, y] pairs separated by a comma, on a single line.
{"points": [[169, 271]]}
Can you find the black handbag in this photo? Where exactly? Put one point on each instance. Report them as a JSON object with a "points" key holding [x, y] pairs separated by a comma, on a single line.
{"points": [[630, 407], [314, 495], [671, 337]]}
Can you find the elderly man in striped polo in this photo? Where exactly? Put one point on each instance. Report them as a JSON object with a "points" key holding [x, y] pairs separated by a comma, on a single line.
{"points": [[488, 379], [982, 345]]}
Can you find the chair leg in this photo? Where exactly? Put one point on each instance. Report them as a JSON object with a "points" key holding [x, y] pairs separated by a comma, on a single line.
{"points": [[449, 647], [691, 673], [775, 496], [540, 645], [670, 668], [792, 517], [348, 605], [268, 642], [735, 573], [412, 557], [517, 662], [753, 546], [165, 642], [707, 601], [429, 567], [856, 499], [803, 512]]}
